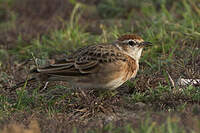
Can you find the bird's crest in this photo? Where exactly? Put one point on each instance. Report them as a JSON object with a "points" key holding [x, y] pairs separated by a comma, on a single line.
{"points": [[129, 36]]}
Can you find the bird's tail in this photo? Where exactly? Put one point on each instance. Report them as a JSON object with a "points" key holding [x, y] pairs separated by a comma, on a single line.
{"points": [[21, 84]]}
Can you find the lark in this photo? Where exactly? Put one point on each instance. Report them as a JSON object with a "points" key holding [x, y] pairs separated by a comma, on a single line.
{"points": [[101, 66]]}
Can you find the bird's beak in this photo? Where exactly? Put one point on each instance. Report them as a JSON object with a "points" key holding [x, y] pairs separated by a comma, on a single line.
{"points": [[145, 44]]}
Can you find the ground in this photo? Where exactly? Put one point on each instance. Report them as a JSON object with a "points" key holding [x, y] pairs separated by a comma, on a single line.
{"points": [[153, 102]]}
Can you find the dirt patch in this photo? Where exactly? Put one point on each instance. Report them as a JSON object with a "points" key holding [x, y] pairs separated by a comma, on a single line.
{"points": [[33, 127], [33, 18]]}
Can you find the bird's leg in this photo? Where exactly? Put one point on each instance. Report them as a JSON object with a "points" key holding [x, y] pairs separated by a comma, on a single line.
{"points": [[83, 94]]}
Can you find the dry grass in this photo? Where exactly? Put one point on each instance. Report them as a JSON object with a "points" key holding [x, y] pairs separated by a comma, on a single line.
{"points": [[33, 127]]}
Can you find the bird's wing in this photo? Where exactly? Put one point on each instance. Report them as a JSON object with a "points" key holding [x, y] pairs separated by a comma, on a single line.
{"points": [[84, 61]]}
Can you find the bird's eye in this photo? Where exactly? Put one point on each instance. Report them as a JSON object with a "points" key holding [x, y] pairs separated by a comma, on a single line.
{"points": [[131, 42]]}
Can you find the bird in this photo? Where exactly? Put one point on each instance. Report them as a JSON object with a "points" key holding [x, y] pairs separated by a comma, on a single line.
{"points": [[99, 66]]}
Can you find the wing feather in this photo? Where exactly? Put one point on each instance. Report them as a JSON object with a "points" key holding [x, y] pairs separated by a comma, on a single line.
{"points": [[83, 61]]}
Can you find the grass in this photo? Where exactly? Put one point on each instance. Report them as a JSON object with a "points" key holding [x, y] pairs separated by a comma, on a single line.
{"points": [[148, 103]]}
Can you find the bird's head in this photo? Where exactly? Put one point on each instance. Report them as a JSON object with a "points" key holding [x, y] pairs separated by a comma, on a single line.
{"points": [[132, 45]]}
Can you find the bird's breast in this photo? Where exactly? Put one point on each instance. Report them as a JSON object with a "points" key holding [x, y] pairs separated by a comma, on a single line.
{"points": [[130, 68]]}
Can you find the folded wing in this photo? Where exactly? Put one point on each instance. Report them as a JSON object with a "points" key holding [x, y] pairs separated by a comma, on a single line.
{"points": [[82, 62]]}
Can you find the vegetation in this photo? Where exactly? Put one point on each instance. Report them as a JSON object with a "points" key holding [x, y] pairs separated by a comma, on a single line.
{"points": [[153, 102]]}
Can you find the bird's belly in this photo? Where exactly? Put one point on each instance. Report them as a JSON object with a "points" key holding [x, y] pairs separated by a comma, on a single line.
{"points": [[115, 83], [109, 81], [111, 84]]}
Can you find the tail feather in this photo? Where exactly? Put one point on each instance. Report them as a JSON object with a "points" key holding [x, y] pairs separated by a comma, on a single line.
{"points": [[20, 84]]}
